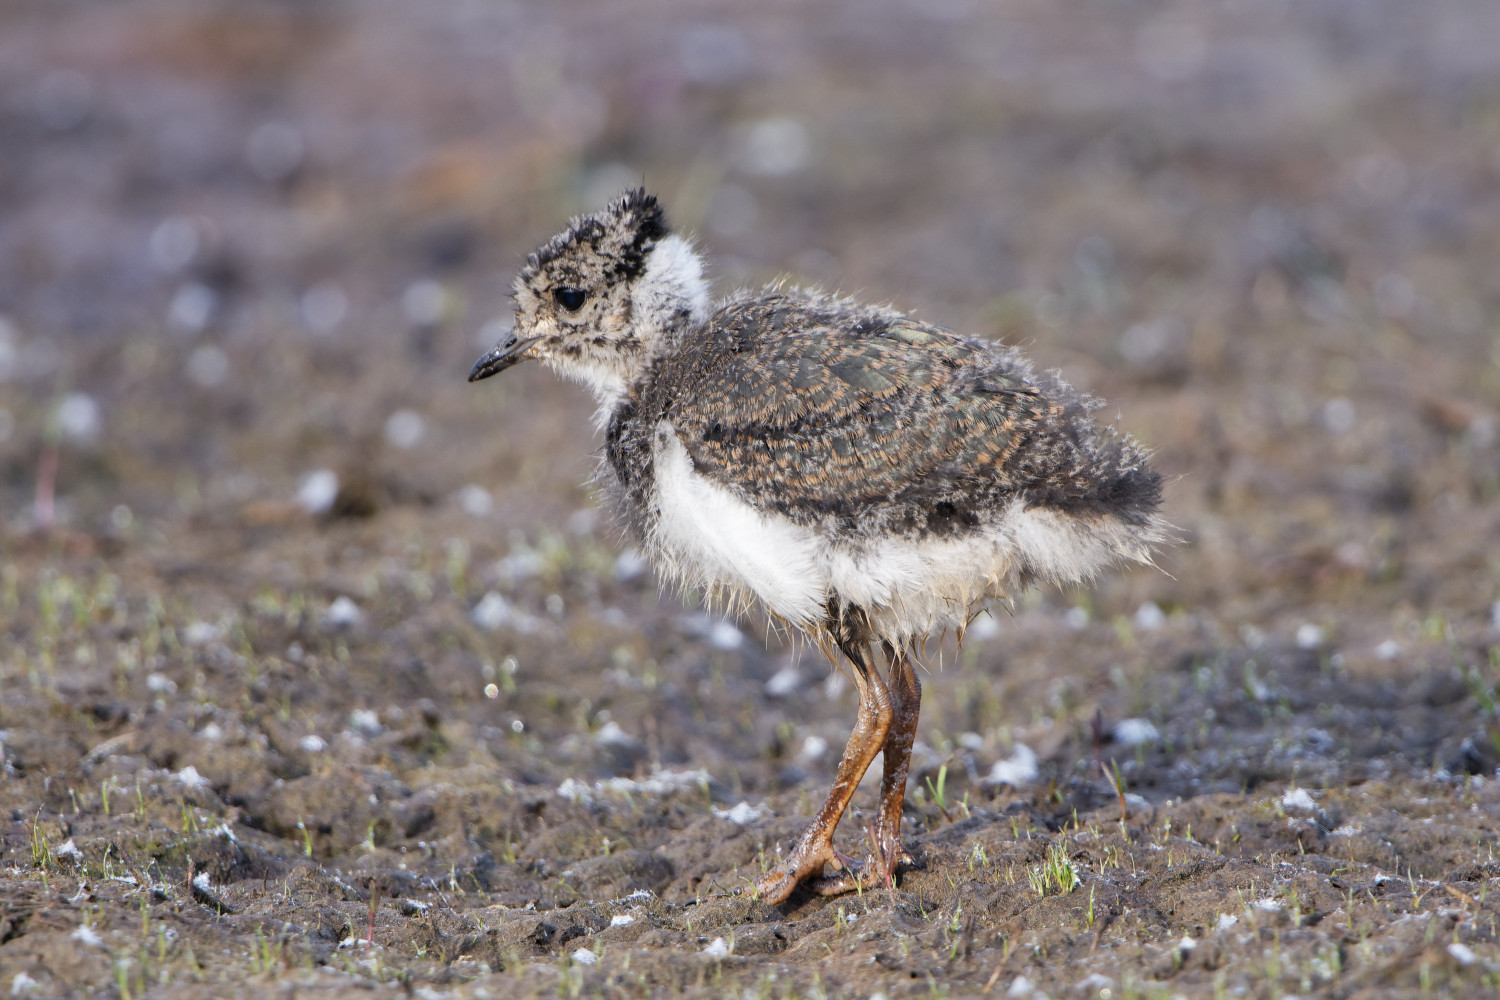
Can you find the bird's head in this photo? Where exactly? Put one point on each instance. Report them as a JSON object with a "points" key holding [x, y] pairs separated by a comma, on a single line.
{"points": [[597, 297]]}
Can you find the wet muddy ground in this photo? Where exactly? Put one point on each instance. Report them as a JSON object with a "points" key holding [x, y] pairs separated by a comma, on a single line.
{"points": [[320, 672]]}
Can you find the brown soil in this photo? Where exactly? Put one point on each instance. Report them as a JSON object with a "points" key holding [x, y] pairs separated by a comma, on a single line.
{"points": [[442, 738]]}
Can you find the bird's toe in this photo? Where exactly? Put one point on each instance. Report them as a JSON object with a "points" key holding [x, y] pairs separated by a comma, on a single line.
{"points": [[777, 884]]}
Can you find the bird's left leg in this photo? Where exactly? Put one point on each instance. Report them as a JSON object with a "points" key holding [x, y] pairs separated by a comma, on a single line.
{"points": [[886, 849]]}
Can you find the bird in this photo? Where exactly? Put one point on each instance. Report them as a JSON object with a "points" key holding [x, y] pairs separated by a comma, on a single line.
{"points": [[864, 478]]}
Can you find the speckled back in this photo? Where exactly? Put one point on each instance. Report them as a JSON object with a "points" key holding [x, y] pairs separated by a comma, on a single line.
{"points": [[865, 422]]}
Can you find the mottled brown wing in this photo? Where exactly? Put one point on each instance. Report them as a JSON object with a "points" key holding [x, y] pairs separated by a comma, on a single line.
{"points": [[815, 411]]}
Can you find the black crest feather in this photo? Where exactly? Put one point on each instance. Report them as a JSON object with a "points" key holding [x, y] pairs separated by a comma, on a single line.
{"points": [[623, 233], [643, 213]]}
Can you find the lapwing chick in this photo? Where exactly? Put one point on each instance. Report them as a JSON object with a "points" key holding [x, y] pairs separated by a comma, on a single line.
{"points": [[863, 477]]}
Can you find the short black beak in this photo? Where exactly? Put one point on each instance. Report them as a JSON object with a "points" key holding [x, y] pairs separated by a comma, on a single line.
{"points": [[501, 357]]}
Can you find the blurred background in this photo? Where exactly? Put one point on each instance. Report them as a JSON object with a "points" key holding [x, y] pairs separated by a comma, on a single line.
{"points": [[248, 251], [244, 242]]}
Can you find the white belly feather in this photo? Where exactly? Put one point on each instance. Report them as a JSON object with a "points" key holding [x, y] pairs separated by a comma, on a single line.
{"points": [[706, 536]]}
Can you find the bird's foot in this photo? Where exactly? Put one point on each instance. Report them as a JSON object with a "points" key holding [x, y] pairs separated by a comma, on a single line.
{"points": [[871, 873], [887, 854], [805, 864], [806, 867]]}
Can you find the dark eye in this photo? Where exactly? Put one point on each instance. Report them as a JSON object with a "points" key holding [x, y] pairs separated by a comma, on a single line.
{"points": [[571, 299]]}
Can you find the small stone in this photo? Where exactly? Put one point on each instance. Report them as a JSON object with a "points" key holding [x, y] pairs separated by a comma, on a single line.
{"points": [[343, 612]]}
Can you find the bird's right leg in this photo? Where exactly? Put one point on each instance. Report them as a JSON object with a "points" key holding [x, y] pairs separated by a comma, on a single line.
{"points": [[814, 849], [886, 849]]}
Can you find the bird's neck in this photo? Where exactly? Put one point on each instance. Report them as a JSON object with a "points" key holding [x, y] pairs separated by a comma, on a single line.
{"points": [[669, 298]]}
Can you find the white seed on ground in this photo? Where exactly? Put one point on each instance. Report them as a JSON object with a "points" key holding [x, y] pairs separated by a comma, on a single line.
{"points": [[741, 813], [318, 490], [1149, 617], [404, 429], [200, 634], [1135, 732], [87, 935], [492, 612], [1298, 798], [476, 501], [813, 748], [1309, 636], [784, 682], [342, 612], [1017, 770], [190, 778]]}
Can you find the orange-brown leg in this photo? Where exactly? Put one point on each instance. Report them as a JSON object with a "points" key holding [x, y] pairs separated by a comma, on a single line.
{"points": [[886, 849], [815, 847], [906, 703]]}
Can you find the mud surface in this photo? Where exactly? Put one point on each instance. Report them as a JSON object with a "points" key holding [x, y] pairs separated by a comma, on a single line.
{"points": [[320, 673]]}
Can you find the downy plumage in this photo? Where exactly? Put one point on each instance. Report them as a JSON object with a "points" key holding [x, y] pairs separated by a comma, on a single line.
{"points": [[862, 476]]}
